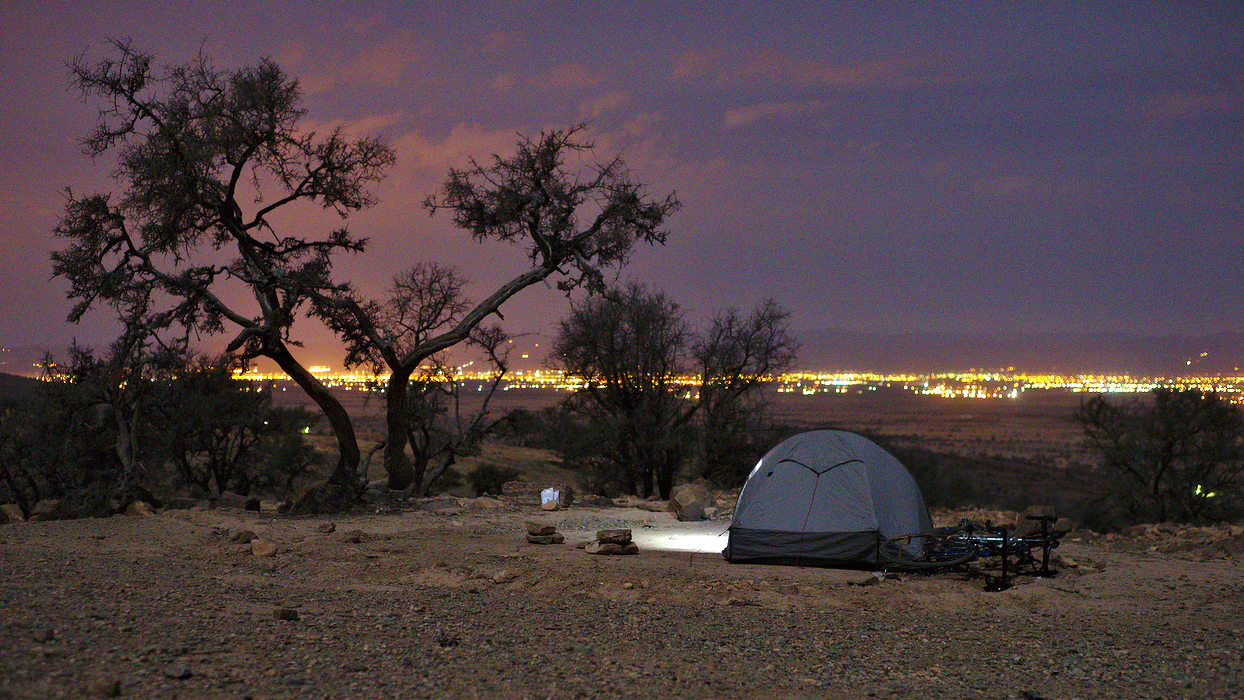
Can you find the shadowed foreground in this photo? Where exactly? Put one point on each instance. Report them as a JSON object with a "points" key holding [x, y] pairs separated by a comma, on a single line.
{"points": [[424, 605]]}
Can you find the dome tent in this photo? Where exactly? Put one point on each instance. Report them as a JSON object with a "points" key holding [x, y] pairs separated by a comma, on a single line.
{"points": [[824, 497]]}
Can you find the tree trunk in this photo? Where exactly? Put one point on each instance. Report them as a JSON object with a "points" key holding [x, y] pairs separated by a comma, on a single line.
{"points": [[346, 471], [396, 465]]}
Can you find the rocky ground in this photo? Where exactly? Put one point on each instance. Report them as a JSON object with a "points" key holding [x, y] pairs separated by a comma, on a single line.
{"points": [[455, 602]]}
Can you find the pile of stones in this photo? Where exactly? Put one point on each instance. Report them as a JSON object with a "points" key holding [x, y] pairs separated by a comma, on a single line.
{"points": [[543, 533], [616, 541]]}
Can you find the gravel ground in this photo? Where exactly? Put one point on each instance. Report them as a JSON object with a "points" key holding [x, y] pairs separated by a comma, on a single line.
{"points": [[422, 605]]}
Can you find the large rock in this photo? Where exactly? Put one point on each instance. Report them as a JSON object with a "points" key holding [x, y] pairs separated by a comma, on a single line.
{"points": [[617, 536], [551, 538], [11, 513], [598, 547], [44, 510], [229, 499], [525, 493], [688, 501], [537, 527]]}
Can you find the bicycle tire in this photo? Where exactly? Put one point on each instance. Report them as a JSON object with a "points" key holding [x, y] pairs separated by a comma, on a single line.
{"points": [[938, 552]]}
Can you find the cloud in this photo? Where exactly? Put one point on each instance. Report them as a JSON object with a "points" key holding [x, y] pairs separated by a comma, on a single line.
{"points": [[417, 153], [383, 64], [570, 76], [594, 107], [1175, 106], [694, 64], [742, 116]]}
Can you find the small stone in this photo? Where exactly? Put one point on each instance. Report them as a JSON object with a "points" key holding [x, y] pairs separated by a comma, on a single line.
{"points": [[263, 548], [229, 499], [618, 536], [504, 576], [536, 527], [583, 544], [45, 635], [138, 509], [551, 505], [555, 538], [284, 614], [177, 671], [326, 528], [870, 579], [628, 585], [103, 688], [11, 513], [242, 537], [788, 589]]}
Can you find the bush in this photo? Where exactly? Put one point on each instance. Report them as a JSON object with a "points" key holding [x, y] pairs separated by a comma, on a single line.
{"points": [[489, 478]]}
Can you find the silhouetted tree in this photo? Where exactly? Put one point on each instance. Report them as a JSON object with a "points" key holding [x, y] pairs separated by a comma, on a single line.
{"points": [[735, 357], [208, 159], [645, 377], [1178, 457], [575, 223]]}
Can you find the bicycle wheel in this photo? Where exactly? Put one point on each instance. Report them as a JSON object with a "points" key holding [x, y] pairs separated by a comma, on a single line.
{"points": [[932, 551]]}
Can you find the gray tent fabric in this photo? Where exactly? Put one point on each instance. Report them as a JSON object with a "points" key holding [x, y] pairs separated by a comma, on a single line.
{"points": [[824, 497]]}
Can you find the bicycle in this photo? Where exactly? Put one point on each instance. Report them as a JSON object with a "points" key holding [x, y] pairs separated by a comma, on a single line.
{"points": [[948, 547]]}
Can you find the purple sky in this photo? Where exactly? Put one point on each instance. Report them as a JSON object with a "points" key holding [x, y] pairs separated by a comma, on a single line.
{"points": [[873, 166]]}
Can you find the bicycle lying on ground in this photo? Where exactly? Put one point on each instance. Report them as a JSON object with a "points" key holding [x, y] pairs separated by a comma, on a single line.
{"points": [[947, 547]]}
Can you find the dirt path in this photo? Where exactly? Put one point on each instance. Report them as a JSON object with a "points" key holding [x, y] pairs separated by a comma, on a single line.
{"points": [[424, 605]]}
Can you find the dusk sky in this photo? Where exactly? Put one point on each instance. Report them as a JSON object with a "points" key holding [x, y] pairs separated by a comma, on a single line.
{"points": [[880, 167]]}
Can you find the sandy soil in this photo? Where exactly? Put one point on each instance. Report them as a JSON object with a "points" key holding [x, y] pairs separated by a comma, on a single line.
{"points": [[419, 604]]}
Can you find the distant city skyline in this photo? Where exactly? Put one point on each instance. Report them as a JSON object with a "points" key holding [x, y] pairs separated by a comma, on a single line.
{"points": [[898, 168]]}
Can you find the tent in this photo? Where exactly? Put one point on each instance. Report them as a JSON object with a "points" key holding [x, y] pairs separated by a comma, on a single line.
{"points": [[825, 497]]}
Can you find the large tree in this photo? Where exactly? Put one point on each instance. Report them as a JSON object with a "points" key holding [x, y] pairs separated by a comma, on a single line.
{"points": [[207, 159], [649, 385], [1178, 456], [576, 221]]}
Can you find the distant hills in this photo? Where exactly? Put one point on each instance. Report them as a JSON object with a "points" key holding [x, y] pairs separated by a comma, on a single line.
{"points": [[842, 351], [1032, 353]]}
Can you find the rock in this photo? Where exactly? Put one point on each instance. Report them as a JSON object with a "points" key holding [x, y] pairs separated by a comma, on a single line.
{"points": [[583, 544], [180, 503], [688, 501], [253, 505], [652, 506], [284, 614], [44, 510], [537, 527], [138, 509], [485, 503], [550, 505], [229, 499], [555, 538], [618, 536], [242, 537], [504, 576], [788, 589], [11, 513], [870, 579], [442, 506], [1137, 531], [263, 548], [326, 528], [44, 635], [598, 547], [177, 671], [103, 688], [627, 585], [353, 536], [525, 493], [594, 500], [710, 513]]}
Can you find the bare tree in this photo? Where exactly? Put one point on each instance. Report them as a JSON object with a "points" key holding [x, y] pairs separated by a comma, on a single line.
{"points": [[207, 159], [574, 223], [1178, 457], [650, 386]]}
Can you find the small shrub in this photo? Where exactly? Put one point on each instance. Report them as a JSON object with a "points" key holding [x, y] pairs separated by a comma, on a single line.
{"points": [[489, 478]]}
